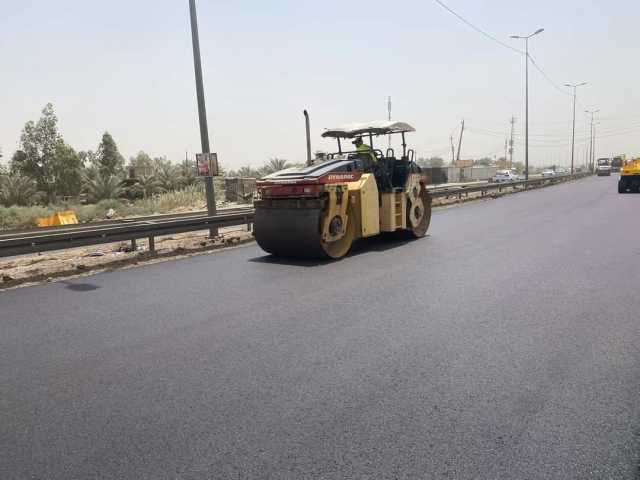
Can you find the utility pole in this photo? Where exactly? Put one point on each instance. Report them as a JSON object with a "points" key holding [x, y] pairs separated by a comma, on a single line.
{"points": [[453, 151], [590, 145], [592, 139], [506, 148], [308, 136], [573, 133], [513, 122], [593, 146], [460, 141], [202, 113], [458, 154], [526, 100]]}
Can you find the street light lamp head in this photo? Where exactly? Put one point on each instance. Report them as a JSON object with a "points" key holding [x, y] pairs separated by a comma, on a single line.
{"points": [[514, 36], [540, 30]]}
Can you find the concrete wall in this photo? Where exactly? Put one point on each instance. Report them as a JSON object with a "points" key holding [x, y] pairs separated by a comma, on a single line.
{"points": [[455, 174]]}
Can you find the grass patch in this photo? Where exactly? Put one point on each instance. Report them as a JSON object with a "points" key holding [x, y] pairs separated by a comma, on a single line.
{"points": [[189, 198]]}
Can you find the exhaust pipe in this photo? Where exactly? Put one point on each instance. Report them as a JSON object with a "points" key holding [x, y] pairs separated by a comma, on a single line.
{"points": [[306, 121]]}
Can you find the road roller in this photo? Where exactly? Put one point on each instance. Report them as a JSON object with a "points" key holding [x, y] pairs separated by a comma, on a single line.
{"points": [[321, 209]]}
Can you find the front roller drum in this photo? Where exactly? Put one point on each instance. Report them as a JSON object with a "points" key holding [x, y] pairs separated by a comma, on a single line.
{"points": [[419, 213], [296, 232]]}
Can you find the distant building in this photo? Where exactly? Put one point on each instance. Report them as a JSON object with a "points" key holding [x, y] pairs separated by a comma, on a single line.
{"points": [[464, 163]]}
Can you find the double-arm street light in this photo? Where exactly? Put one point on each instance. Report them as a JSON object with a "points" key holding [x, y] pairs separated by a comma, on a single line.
{"points": [[573, 134], [526, 101]]}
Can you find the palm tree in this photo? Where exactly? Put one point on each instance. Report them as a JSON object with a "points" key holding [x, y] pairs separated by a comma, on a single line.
{"points": [[103, 187], [168, 177], [274, 165], [147, 185], [16, 189]]}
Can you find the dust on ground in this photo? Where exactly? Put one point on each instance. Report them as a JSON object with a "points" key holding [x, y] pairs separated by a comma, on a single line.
{"points": [[48, 266]]}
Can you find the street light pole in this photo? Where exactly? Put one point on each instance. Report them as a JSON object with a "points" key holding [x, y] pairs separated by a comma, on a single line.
{"points": [[202, 113], [526, 110], [526, 99], [573, 134], [592, 139]]}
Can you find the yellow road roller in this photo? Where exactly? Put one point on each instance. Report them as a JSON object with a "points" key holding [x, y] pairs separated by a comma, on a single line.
{"points": [[319, 210]]}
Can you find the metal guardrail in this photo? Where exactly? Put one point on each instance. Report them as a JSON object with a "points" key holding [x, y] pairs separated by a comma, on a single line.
{"points": [[63, 238], [71, 236], [484, 188], [121, 221]]}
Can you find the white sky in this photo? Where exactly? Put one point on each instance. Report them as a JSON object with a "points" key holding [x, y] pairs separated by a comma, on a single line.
{"points": [[126, 67]]}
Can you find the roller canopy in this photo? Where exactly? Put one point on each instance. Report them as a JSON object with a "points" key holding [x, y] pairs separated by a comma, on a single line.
{"points": [[383, 127]]}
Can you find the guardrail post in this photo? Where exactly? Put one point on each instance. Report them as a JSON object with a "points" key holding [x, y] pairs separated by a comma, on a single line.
{"points": [[152, 244], [134, 247]]}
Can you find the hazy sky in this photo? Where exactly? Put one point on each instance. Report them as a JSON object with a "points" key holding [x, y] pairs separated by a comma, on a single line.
{"points": [[127, 67]]}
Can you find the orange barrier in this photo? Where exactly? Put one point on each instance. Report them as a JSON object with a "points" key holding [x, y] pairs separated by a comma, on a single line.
{"points": [[59, 218]]}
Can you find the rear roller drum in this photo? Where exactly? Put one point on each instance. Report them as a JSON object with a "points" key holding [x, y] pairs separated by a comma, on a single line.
{"points": [[296, 232]]}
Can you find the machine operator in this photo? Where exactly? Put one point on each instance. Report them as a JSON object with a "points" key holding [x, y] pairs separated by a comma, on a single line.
{"points": [[364, 149]]}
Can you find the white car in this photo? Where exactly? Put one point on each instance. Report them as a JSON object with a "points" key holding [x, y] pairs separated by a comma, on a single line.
{"points": [[505, 176], [603, 167], [549, 173]]}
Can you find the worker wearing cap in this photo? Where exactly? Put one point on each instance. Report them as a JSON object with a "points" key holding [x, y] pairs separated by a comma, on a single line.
{"points": [[365, 149]]}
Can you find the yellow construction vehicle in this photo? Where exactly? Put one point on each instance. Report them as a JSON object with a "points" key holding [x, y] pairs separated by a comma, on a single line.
{"points": [[630, 177], [318, 211]]}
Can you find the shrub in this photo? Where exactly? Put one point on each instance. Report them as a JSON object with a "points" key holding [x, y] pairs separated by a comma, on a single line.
{"points": [[22, 217], [16, 189]]}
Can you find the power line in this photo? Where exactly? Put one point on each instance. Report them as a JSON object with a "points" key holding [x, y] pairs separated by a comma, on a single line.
{"points": [[478, 29], [500, 42], [547, 78]]}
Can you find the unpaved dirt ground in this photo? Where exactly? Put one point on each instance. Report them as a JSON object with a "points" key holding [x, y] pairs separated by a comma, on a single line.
{"points": [[48, 266]]}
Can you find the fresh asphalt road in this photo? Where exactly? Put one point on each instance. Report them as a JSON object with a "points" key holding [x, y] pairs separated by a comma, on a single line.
{"points": [[505, 345]]}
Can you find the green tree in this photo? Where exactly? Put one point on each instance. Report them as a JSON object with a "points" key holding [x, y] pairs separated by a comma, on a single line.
{"points": [[16, 189], [142, 163], [103, 187], [88, 158], [67, 170], [38, 144], [109, 160], [45, 158]]}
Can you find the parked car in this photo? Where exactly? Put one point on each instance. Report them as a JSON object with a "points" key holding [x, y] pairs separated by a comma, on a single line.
{"points": [[549, 173], [505, 176]]}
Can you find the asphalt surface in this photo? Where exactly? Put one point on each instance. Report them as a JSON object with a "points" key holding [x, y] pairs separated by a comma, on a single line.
{"points": [[506, 345]]}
